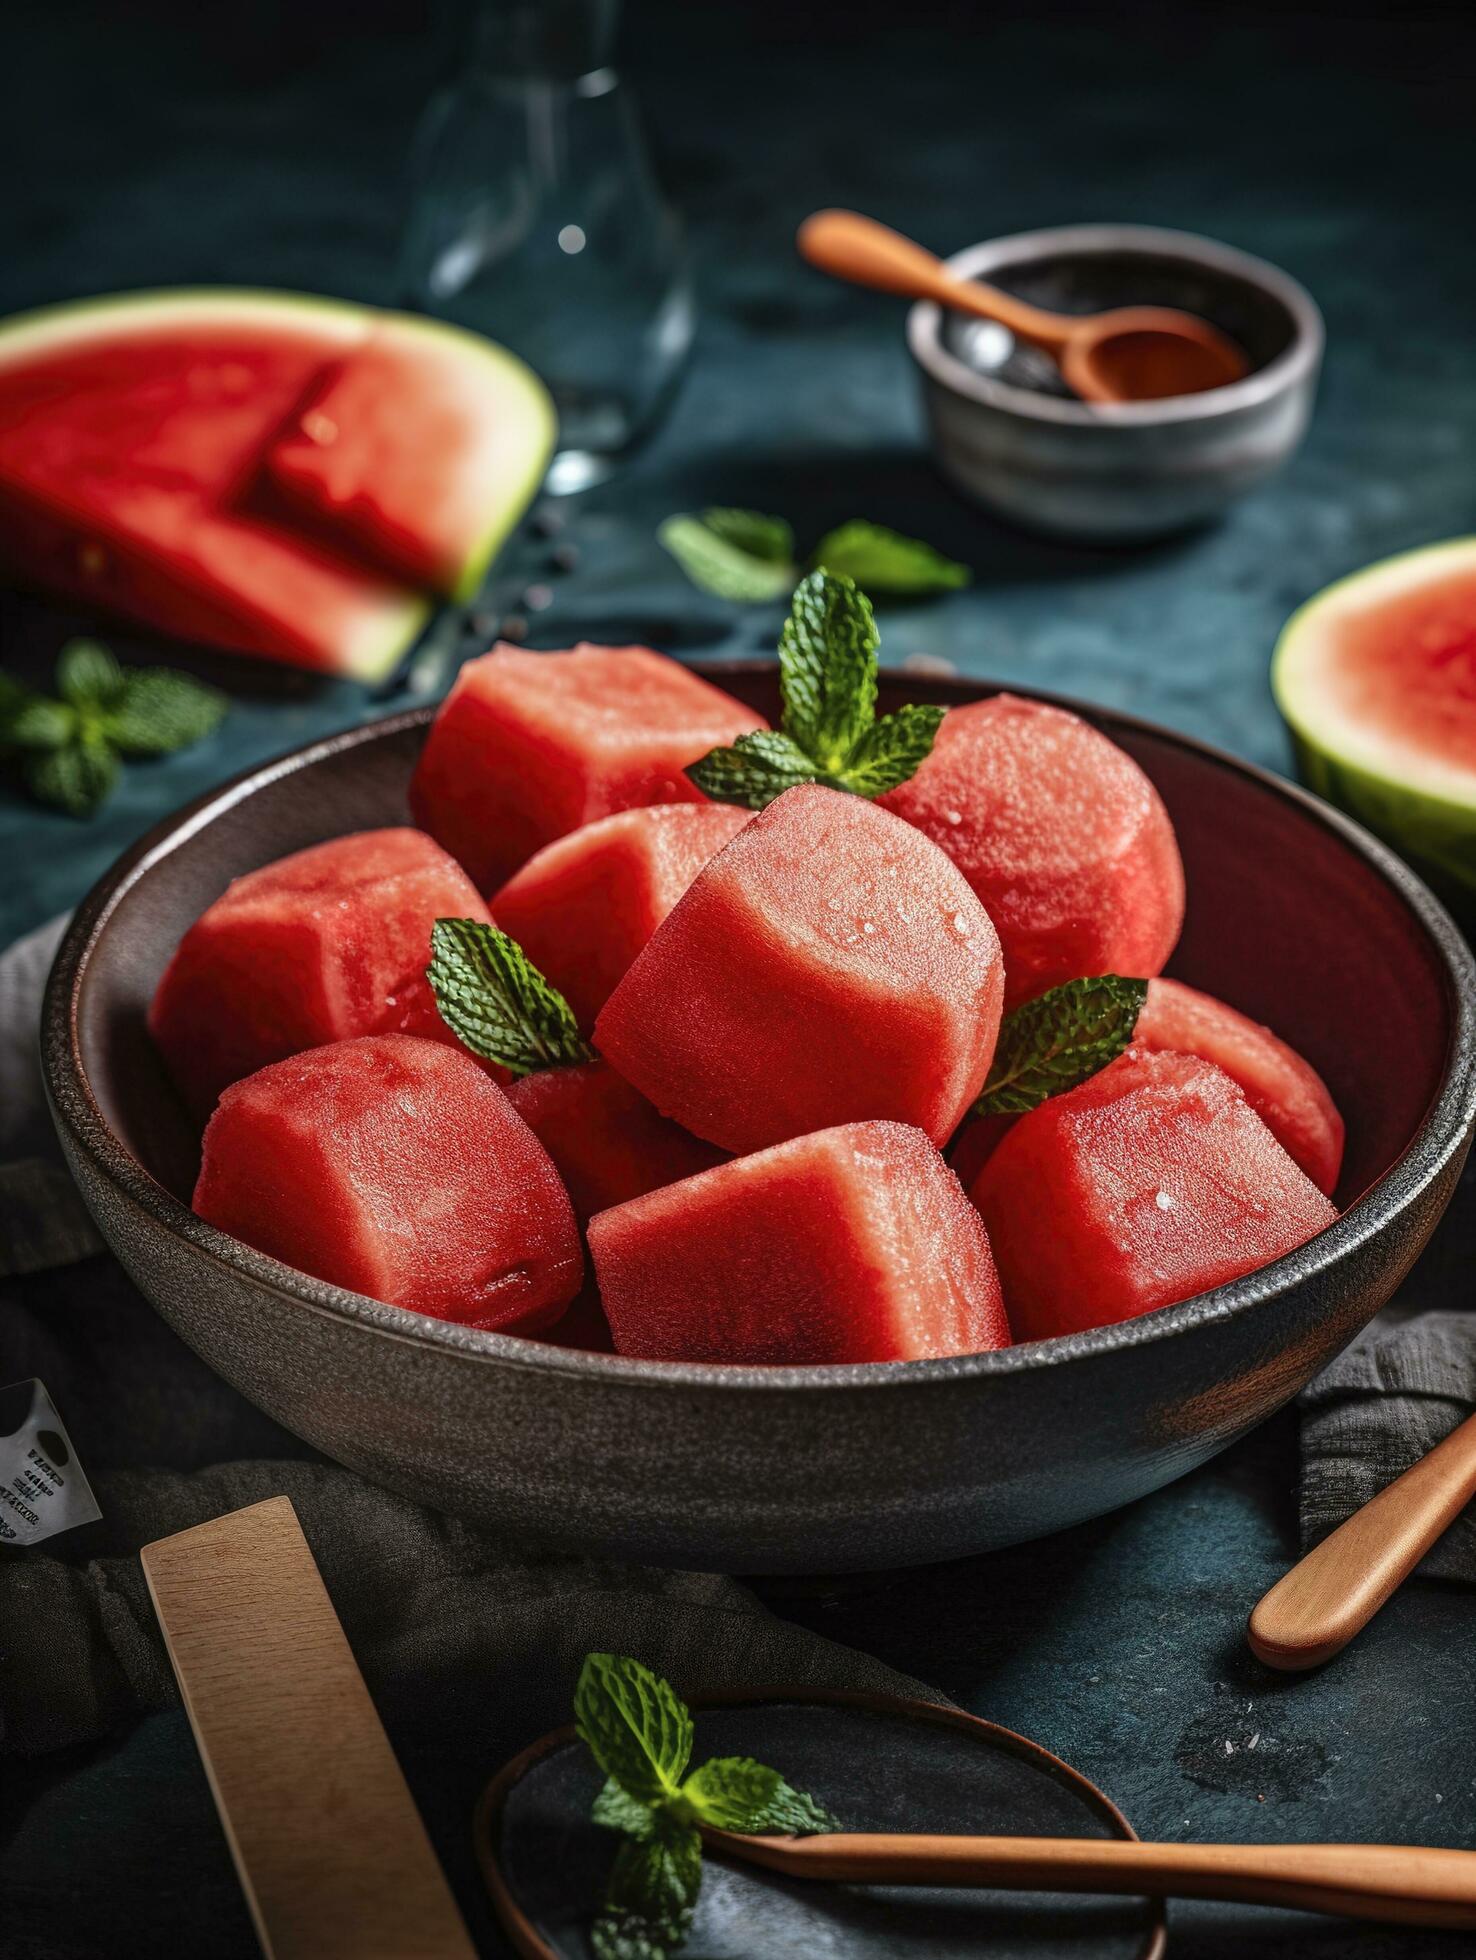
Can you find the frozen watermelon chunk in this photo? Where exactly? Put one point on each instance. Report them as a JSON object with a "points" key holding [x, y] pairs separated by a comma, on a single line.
{"points": [[1152, 1182], [397, 1168], [607, 1141], [320, 946], [828, 965], [529, 746], [1287, 1093], [585, 905], [1061, 835], [855, 1244]]}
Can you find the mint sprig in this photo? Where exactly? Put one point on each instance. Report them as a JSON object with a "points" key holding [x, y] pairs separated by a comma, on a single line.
{"points": [[828, 732], [69, 746], [1060, 1040], [750, 557], [639, 1731], [496, 1002]]}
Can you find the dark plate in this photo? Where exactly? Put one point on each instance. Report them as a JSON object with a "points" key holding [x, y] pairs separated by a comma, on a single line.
{"points": [[881, 1764]]}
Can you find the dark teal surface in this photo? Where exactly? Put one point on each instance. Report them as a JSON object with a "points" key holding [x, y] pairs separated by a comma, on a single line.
{"points": [[140, 145]]}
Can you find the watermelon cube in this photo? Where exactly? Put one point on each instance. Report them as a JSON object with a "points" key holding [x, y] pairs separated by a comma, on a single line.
{"points": [[585, 905], [607, 1142], [397, 1168], [1063, 838], [855, 1244], [327, 944], [827, 966], [1152, 1182], [529, 746]]}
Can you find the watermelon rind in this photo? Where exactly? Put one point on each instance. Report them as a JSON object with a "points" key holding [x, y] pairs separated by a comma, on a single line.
{"points": [[1422, 804]]}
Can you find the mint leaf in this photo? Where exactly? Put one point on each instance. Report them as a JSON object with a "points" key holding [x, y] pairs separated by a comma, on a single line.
{"points": [[827, 667], [758, 767], [884, 561], [1059, 1040], [159, 711], [495, 1000], [717, 564], [891, 750], [793, 1814], [41, 723], [87, 675], [76, 778], [732, 1793], [768, 539], [651, 1895], [619, 1812], [635, 1725]]}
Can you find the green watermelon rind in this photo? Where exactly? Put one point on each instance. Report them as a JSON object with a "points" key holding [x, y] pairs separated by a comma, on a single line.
{"points": [[1435, 832]]}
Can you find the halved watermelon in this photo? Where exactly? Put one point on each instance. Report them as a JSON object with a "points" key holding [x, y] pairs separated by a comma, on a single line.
{"points": [[136, 436], [1376, 677], [855, 1244]]}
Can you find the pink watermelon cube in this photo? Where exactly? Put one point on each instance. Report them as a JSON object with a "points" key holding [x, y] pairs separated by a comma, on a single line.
{"points": [[529, 746], [829, 965], [585, 905], [855, 1244], [327, 944], [607, 1142], [1061, 835], [1152, 1182], [397, 1168]]}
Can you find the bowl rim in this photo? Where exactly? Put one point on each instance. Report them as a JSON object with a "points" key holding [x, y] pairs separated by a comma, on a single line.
{"points": [[1443, 1132], [1296, 362]]}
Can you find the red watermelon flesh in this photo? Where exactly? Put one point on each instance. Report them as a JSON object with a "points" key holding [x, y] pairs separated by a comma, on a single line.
{"points": [[1061, 835], [529, 746], [396, 1168], [584, 1326], [1152, 1182], [585, 905], [326, 944], [606, 1140], [828, 965], [855, 1244]]}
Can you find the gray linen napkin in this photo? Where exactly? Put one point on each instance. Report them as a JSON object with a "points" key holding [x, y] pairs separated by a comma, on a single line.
{"points": [[450, 1624]]}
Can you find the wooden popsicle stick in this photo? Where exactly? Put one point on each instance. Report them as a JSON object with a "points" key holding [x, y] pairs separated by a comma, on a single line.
{"points": [[1334, 1592], [1405, 1886], [328, 1844]]}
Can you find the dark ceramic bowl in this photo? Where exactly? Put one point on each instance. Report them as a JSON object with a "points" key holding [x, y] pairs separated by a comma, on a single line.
{"points": [[1295, 915]]}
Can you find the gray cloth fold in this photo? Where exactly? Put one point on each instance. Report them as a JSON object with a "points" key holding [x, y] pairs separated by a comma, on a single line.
{"points": [[444, 1619], [1390, 1397]]}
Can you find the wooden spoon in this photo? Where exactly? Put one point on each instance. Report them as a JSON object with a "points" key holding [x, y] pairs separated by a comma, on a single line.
{"points": [[1130, 354], [1334, 1592], [1405, 1886]]}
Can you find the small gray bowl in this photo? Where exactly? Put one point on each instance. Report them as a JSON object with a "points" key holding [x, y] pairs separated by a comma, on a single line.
{"points": [[1295, 914], [1010, 434]]}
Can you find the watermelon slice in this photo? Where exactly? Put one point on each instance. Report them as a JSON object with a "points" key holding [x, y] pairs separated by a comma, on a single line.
{"points": [[585, 905], [133, 433], [396, 1168], [529, 746], [1152, 1182], [856, 1244], [605, 1139], [320, 946], [1376, 677], [828, 965], [1063, 838]]}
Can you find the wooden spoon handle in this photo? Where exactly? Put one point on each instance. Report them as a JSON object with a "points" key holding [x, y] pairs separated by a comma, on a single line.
{"points": [[1406, 1886], [859, 250], [1334, 1592]]}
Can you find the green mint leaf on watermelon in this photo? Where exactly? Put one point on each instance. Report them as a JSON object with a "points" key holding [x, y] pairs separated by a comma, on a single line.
{"points": [[158, 711], [884, 561], [651, 1895], [827, 667], [87, 675], [39, 723], [891, 750], [721, 559], [635, 1725], [1059, 1040], [77, 778], [734, 1793], [494, 1000], [757, 768]]}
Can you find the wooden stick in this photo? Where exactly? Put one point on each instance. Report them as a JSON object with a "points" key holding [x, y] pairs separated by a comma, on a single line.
{"points": [[328, 1844], [1408, 1887], [1334, 1592]]}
